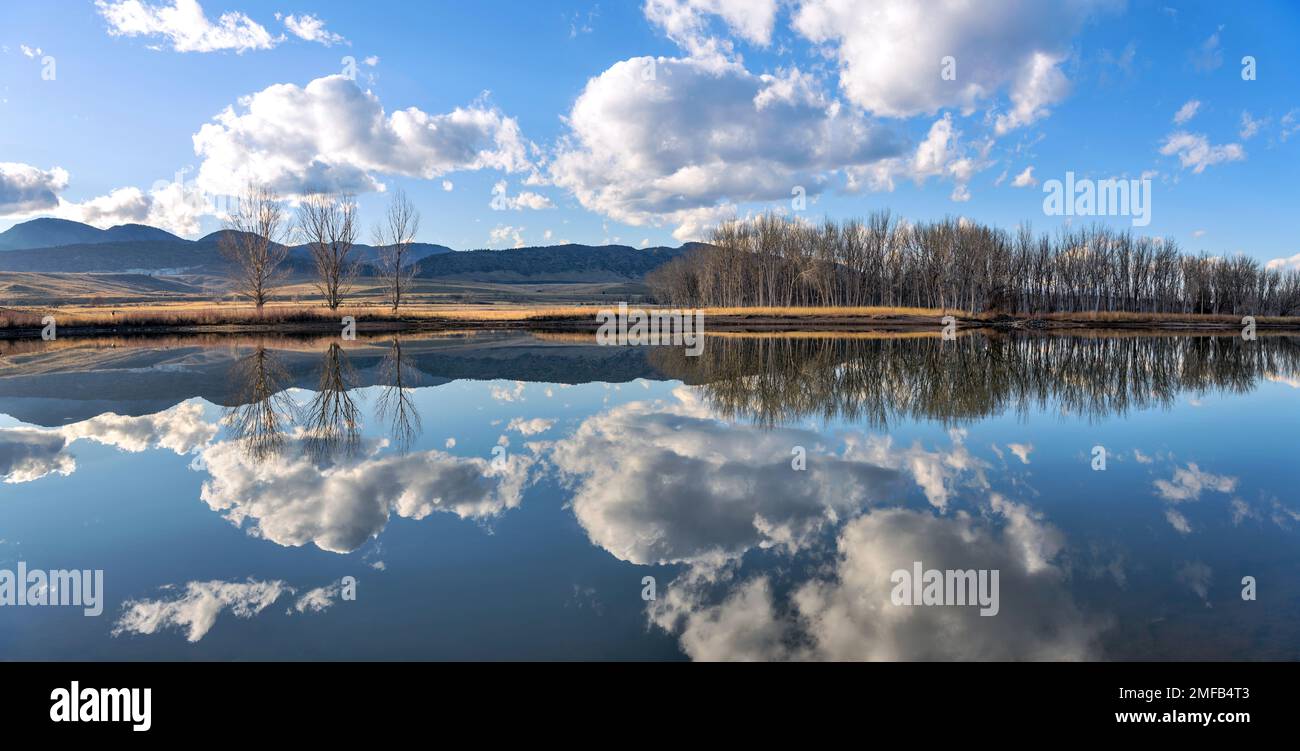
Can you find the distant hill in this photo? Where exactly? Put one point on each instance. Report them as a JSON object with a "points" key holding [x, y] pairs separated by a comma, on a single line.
{"points": [[558, 263], [361, 253], [116, 257], [61, 246], [138, 233], [366, 254], [58, 245], [46, 233]]}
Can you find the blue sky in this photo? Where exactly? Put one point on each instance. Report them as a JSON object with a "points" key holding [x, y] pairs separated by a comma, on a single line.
{"points": [[647, 122]]}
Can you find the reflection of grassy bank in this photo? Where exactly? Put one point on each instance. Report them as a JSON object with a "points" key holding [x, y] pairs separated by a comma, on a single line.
{"points": [[274, 318], [285, 342], [295, 318]]}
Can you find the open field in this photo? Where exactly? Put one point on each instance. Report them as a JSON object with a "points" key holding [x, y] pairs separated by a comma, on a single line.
{"points": [[208, 314], [25, 289], [288, 317]]}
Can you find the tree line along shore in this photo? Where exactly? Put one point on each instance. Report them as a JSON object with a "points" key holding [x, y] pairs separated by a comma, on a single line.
{"points": [[778, 261]]}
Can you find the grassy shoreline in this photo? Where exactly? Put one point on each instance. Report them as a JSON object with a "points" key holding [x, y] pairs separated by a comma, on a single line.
{"points": [[23, 323]]}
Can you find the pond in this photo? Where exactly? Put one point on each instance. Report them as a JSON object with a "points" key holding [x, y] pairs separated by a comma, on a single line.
{"points": [[515, 495]]}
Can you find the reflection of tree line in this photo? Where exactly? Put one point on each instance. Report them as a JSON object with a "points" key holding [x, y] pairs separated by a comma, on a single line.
{"points": [[265, 415], [776, 380]]}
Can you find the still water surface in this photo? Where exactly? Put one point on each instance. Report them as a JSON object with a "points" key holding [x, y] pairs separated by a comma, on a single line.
{"points": [[505, 495]]}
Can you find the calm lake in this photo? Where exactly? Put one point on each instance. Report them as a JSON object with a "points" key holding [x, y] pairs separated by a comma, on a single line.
{"points": [[506, 495]]}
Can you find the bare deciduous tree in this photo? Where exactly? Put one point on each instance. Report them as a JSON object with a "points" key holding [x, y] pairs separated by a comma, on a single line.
{"points": [[394, 237], [328, 223], [253, 243]]}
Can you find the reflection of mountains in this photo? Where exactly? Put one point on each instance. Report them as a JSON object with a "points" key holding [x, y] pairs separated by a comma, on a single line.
{"points": [[772, 380], [57, 385]]}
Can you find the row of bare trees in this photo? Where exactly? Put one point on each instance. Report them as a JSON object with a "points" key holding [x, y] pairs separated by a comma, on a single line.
{"points": [[777, 261], [260, 227]]}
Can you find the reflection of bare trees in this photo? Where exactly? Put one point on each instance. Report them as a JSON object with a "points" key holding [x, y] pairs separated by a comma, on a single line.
{"points": [[776, 380], [395, 405], [266, 414], [333, 419], [264, 411]]}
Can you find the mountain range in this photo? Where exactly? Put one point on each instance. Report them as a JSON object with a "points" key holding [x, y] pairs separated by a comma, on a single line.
{"points": [[45, 233], [62, 246]]}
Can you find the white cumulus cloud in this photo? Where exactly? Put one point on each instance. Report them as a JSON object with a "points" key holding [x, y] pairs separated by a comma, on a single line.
{"points": [[1195, 151], [503, 201], [25, 189], [185, 26], [1187, 111], [27, 192], [1189, 482], [845, 612], [295, 501], [683, 140], [530, 427], [686, 22], [197, 608], [1022, 451], [332, 135], [1285, 264], [890, 52], [312, 29], [1025, 179]]}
